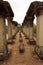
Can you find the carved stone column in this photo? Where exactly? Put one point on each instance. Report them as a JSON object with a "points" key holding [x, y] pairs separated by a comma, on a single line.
{"points": [[39, 47], [30, 20], [25, 29], [12, 25], [30, 30], [14, 29], [3, 44], [9, 30]]}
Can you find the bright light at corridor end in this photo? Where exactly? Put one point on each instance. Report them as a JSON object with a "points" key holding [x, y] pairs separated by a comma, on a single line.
{"points": [[20, 8]]}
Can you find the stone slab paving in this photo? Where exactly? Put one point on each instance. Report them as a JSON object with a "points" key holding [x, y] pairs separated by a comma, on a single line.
{"points": [[25, 58]]}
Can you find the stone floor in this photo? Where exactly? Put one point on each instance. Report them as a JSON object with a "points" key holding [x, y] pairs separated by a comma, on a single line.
{"points": [[26, 58]]}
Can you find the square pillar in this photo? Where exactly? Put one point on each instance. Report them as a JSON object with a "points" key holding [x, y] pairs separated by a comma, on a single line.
{"points": [[9, 28], [9, 19], [31, 30], [40, 36], [13, 30], [3, 43], [31, 39], [26, 31], [39, 42]]}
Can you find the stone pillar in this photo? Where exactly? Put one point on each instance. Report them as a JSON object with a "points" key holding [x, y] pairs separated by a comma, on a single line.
{"points": [[31, 40], [12, 25], [30, 30], [9, 28], [3, 44], [26, 29], [39, 46], [9, 19], [14, 29]]}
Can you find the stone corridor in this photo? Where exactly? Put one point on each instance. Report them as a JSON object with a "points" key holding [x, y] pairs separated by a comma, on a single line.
{"points": [[26, 58]]}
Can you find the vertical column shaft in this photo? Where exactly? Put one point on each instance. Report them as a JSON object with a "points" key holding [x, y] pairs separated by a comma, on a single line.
{"points": [[26, 29], [13, 29], [9, 28], [31, 30], [39, 41], [31, 40], [3, 45], [39, 48]]}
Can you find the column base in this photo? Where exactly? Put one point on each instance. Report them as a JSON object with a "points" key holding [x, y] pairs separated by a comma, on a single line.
{"points": [[13, 37], [27, 37], [39, 51], [1, 56], [21, 40], [10, 41], [21, 48], [32, 42], [4, 56]]}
